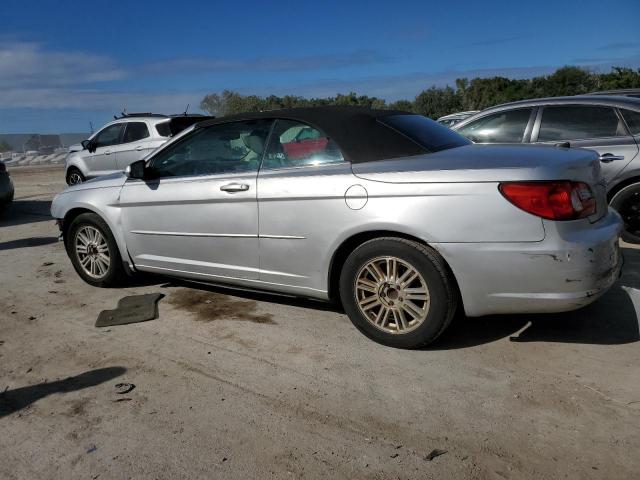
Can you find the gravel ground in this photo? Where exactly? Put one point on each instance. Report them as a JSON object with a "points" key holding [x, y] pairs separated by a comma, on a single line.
{"points": [[244, 385]]}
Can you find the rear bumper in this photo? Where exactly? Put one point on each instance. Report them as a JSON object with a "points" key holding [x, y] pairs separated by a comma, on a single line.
{"points": [[569, 269]]}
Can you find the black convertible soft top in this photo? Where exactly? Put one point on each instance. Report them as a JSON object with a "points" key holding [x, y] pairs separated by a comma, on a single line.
{"points": [[356, 130]]}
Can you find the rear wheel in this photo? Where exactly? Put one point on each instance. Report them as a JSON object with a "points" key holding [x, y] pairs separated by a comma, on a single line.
{"points": [[627, 203], [74, 176], [398, 292], [93, 251]]}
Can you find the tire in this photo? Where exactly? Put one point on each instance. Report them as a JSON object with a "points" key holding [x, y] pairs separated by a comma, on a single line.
{"points": [[74, 176], [627, 203], [94, 271], [396, 328]]}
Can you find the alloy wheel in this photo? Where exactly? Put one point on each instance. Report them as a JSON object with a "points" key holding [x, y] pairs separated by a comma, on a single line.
{"points": [[630, 212], [392, 295], [75, 178], [92, 251]]}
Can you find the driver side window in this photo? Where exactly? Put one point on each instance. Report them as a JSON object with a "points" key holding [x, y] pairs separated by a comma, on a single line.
{"points": [[228, 148], [109, 136]]}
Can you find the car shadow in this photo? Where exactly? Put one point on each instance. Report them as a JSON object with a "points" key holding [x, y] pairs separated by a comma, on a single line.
{"points": [[610, 320], [17, 399], [27, 242], [258, 296], [145, 279], [21, 212]]}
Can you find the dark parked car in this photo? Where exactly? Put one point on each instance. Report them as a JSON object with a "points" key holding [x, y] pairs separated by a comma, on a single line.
{"points": [[609, 125], [6, 188]]}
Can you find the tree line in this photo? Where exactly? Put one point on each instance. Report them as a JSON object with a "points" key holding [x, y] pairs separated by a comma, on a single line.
{"points": [[468, 94]]}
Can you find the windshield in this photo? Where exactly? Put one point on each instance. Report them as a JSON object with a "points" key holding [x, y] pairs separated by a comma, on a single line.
{"points": [[427, 133]]}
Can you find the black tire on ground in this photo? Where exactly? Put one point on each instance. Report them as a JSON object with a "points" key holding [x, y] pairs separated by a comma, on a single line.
{"points": [[76, 173], [442, 292], [115, 274], [627, 203]]}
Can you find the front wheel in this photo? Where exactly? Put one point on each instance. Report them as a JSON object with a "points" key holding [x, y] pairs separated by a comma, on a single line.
{"points": [[627, 203], [398, 292], [74, 176], [93, 251]]}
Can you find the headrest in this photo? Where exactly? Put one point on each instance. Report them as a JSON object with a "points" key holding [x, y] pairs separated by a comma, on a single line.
{"points": [[254, 143]]}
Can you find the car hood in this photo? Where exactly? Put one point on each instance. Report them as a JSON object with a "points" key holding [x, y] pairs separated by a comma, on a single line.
{"points": [[113, 180], [486, 163]]}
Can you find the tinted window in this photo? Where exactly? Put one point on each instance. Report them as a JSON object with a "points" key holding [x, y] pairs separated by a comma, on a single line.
{"points": [[576, 122], [502, 127], [164, 129], [633, 120], [427, 133], [109, 136], [295, 144], [229, 148], [135, 131]]}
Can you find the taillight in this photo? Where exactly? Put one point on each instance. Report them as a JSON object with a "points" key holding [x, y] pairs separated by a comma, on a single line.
{"points": [[556, 200]]}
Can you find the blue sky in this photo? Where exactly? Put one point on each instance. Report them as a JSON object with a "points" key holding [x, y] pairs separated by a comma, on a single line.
{"points": [[65, 63]]}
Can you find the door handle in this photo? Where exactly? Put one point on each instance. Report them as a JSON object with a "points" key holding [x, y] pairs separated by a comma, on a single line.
{"points": [[139, 148], [108, 152], [610, 157], [234, 187]]}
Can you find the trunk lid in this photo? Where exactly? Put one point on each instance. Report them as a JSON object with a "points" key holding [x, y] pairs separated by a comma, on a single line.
{"points": [[493, 163]]}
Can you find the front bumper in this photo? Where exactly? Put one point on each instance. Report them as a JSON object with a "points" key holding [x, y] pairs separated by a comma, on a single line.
{"points": [[569, 269]]}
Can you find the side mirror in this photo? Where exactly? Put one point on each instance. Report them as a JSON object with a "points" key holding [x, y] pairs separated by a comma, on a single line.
{"points": [[85, 144], [91, 145], [135, 170]]}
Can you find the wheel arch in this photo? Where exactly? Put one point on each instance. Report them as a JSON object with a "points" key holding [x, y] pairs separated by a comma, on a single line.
{"points": [[78, 163], [351, 243], [620, 186], [72, 213]]}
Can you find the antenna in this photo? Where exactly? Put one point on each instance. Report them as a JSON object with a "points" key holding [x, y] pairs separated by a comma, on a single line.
{"points": [[91, 125], [186, 109]]}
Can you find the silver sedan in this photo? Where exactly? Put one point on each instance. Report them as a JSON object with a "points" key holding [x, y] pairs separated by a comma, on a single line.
{"points": [[401, 219]]}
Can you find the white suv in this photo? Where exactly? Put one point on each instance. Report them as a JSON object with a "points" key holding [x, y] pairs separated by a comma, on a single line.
{"points": [[122, 142]]}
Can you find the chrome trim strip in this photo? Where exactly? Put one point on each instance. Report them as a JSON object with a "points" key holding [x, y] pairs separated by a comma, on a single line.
{"points": [[283, 237], [189, 234], [222, 235]]}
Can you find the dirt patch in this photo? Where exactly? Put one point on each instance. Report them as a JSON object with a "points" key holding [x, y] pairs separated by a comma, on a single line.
{"points": [[210, 306]]}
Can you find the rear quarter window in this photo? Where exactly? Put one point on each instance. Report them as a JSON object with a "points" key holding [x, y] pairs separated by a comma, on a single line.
{"points": [[163, 129], [426, 133], [633, 120]]}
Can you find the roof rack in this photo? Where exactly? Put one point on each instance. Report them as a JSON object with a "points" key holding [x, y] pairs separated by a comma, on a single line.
{"points": [[139, 114]]}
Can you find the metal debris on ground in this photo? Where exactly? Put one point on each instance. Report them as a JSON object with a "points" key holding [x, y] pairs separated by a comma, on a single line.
{"points": [[434, 453], [124, 388]]}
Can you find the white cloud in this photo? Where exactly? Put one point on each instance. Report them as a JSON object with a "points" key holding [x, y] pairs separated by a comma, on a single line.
{"points": [[95, 100], [28, 64]]}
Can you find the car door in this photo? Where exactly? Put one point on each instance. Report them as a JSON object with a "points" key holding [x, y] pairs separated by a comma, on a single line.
{"points": [[134, 146], [505, 126], [101, 159], [197, 215], [600, 128], [302, 178]]}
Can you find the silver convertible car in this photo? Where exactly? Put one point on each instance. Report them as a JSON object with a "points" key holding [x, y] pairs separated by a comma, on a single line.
{"points": [[398, 217]]}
